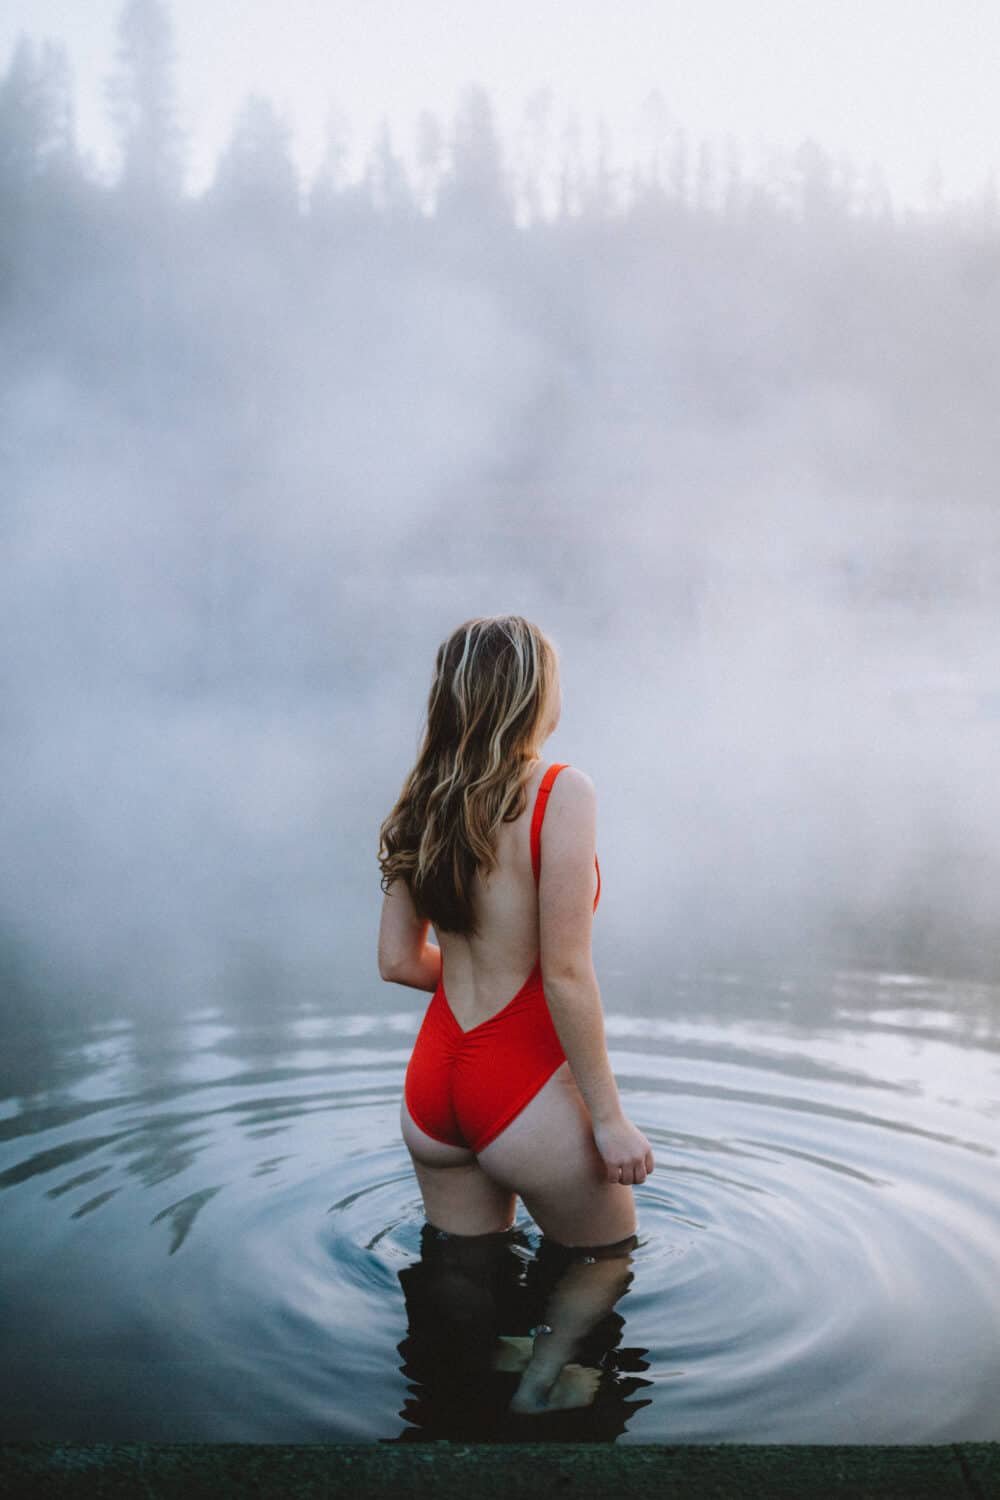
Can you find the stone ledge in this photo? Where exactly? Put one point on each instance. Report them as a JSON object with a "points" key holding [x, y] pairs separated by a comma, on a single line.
{"points": [[188, 1471]]}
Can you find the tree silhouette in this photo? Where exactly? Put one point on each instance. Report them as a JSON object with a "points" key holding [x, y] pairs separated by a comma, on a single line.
{"points": [[875, 195], [535, 151], [934, 188], [36, 114], [386, 182], [678, 171], [704, 193], [332, 171], [333, 201], [256, 177], [43, 190], [734, 193], [601, 196], [142, 104], [818, 197], [478, 183], [430, 157], [572, 172], [654, 117]]}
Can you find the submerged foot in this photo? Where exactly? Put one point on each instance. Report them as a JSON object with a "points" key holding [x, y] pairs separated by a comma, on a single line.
{"points": [[575, 1385]]}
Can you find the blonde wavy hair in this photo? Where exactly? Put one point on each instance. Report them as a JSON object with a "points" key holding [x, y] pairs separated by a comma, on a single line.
{"points": [[493, 678]]}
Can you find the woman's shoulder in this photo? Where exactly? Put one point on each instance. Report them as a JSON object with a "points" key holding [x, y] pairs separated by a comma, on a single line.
{"points": [[574, 787]]}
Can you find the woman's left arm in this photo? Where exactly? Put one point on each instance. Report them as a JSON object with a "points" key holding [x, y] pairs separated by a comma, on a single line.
{"points": [[405, 956]]}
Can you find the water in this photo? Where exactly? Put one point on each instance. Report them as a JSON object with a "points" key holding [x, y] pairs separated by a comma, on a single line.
{"points": [[209, 1229]]}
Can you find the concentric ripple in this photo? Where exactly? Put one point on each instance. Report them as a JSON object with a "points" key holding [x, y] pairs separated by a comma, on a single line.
{"points": [[208, 1228]]}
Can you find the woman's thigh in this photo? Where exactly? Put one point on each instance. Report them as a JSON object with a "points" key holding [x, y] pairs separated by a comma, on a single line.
{"points": [[458, 1194], [548, 1155]]}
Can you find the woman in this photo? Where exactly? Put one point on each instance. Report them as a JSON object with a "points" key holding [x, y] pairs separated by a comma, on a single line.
{"points": [[509, 1091]]}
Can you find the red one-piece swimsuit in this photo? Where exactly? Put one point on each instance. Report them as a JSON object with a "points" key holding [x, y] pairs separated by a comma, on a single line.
{"points": [[464, 1087]]}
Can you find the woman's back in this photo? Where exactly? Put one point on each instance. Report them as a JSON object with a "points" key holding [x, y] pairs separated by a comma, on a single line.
{"points": [[470, 1075], [509, 1088], [480, 973]]}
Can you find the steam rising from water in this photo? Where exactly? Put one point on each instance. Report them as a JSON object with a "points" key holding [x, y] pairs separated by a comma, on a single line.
{"points": [[740, 460]]}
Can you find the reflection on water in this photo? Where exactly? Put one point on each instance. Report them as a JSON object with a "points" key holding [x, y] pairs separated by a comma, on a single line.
{"points": [[210, 1229], [474, 1308]]}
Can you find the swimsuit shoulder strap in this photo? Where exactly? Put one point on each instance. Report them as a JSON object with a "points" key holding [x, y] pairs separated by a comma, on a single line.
{"points": [[538, 813]]}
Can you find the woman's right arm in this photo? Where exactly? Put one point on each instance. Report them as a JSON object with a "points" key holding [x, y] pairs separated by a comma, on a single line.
{"points": [[565, 906]]}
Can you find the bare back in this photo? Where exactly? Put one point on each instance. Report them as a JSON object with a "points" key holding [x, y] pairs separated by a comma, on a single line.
{"points": [[481, 973]]}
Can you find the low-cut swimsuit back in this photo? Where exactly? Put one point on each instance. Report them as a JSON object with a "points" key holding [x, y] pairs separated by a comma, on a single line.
{"points": [[464, 1087]]}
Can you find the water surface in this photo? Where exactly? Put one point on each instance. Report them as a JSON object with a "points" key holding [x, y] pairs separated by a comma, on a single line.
{"points": [[209, 1225]]}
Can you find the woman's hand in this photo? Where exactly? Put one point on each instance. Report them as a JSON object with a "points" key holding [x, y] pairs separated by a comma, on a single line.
{"points": [[626, 1152]]}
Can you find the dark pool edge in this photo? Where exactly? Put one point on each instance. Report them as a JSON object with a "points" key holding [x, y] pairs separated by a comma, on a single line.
{"points": [[708, 1471]]}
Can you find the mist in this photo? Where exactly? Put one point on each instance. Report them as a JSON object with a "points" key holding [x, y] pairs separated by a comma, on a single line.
{"points": [[729, 438]]}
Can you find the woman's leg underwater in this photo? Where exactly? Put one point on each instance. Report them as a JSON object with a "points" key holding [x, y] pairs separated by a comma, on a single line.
{"points": [[548, 1155], [465, 1247]]}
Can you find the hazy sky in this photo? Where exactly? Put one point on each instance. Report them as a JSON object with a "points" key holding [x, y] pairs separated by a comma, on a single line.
{"points": [[905, 83]]}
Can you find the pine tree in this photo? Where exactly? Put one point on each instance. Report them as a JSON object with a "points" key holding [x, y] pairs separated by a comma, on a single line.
{"points": [[142, 103], [36, 114]]}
